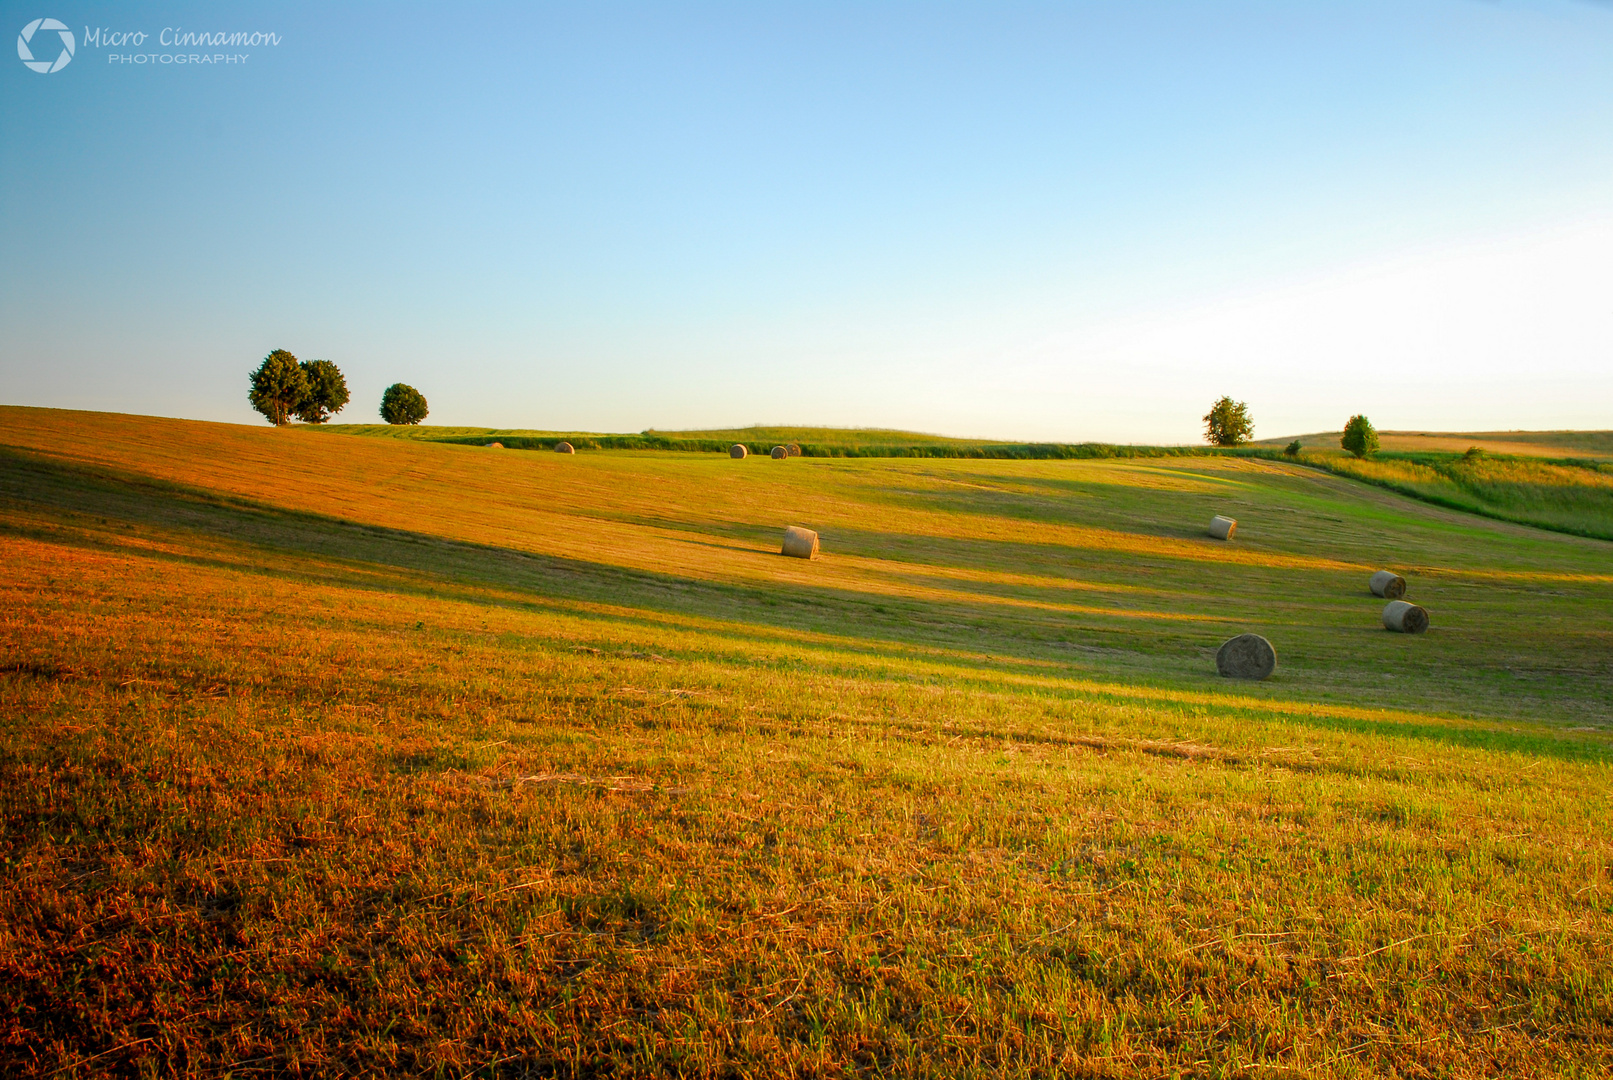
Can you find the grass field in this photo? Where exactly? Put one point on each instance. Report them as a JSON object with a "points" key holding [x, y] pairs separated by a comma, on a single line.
{"points": [[1596, 445], [850, 438], [327, 755], [1573, 496], [810, 441]]}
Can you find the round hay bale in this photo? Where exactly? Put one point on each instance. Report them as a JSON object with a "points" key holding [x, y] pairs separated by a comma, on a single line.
{"points": [[737, 450], [495, 446], [1387, 584], [564, 448], [779, 453], [1222, 528], [1404, 618], [1247, 656], [800, 543], [794, 449]]}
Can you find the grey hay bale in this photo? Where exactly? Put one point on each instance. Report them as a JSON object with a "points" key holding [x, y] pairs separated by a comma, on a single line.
{"points": [[780, 453], [564, 448], [1404, 618], [495, 446], [737, 450], [1222, 528], [1247, 656], [794, 449], [800, 543], [1387, 584]]}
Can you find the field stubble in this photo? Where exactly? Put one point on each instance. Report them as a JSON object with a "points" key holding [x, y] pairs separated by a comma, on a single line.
{"points": [[324, 755]]}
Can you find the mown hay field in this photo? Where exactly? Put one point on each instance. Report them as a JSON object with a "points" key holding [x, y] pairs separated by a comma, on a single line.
{"points": [[1550, 444], [1567, 496], [327, 755]]}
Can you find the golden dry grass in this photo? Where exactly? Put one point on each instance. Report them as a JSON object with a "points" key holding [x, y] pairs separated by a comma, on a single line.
{"points": [[326, 755], [1549, 444]]}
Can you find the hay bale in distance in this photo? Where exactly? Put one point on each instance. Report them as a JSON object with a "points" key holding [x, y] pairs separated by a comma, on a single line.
{"points": [[794, 449], [1387, 584], [779, 453], [495, 446], [564, 448], [1404, 618], [737, 450], [1247, 656], [1222, 528], [800, 543]]}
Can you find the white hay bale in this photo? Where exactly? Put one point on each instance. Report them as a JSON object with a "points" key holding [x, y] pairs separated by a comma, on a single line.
{"points": [[1387, 584], [1247, 656], [779, 453], [495, 446], [564, 448], [1404, 618], [800, 543], [1222, 528], [737, 450]]}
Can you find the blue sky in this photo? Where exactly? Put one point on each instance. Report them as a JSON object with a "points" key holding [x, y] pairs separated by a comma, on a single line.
{"points": [[1072, 221]]}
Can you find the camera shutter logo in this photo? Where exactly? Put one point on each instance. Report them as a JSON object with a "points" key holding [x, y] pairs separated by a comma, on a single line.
{"points": [[45, 67]]}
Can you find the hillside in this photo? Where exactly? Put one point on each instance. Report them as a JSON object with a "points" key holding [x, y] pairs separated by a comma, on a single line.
{"points": [[343, 754], [1566, 495], [772, 436], [812, 442], [1595, 445], [870, 442]]}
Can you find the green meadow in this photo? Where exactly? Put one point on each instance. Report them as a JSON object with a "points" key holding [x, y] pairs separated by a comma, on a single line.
{"points": [[1567, 495], [329, 754], [1519, 482], [810, 441]]}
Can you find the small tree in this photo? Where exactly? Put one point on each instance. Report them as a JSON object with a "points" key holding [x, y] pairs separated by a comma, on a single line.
{"points": [[279, 387], [1293, 449], [1359, 438], [327, 391], [1228, 423], [403, 404]]}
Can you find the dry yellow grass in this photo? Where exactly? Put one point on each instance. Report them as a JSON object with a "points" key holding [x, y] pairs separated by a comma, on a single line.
{"points": [[1551, 444], [326, 755]]}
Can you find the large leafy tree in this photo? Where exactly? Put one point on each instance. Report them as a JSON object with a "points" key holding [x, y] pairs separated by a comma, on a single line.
{"points": [[403, 404], [1228, 423], [327, 391], [279, 387], [1360, 437]]}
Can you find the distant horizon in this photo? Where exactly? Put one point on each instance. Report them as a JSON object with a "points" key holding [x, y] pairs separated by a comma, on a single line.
{"points": [[513, 429]]}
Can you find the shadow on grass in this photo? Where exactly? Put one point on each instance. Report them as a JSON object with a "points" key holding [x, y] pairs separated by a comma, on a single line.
{"points": [[981, 638]]}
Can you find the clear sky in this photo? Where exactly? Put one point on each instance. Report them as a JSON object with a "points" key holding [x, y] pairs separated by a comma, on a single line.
{"points": [[1064, 221]]}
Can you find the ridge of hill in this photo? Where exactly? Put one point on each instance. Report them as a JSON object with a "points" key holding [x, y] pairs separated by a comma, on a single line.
{"points": [[876, 442], [812, 441], [1593, 445], [1562, 494]]}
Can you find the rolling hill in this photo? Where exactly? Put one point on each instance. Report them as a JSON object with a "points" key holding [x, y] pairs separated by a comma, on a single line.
{"points": [[329, 753]]}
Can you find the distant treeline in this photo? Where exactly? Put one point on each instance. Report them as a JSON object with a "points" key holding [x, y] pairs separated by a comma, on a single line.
{"points": [[1012, 451]]}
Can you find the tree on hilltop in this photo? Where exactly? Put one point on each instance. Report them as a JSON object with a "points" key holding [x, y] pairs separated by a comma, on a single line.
{"points": [[1228, 423], [327, 391], [279, 387], [403, 404], [1360, 437]]}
